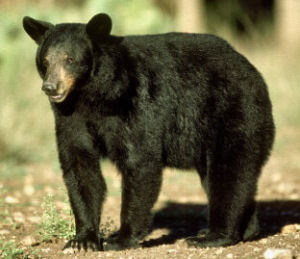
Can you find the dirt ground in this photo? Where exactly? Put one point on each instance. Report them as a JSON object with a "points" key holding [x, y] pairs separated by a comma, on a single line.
{"points": [[179, 213]]}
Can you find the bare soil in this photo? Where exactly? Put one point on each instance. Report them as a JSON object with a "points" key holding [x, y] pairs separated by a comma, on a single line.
{"points": [[179, 213]]}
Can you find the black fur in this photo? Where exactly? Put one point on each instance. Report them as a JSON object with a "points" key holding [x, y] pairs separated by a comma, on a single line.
{"points": [[146, 102]]}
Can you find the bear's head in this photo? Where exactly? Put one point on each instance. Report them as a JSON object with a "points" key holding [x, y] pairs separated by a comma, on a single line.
{"points": [[64, 56]]}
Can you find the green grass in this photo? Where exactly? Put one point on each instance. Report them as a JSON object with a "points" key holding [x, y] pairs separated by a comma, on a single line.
{"points": [[11, 170], [9, 250], [60, 223], [55, 223], [3, 208]]}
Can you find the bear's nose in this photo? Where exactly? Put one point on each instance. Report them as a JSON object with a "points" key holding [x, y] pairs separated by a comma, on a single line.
{"points": [[49, 88]]}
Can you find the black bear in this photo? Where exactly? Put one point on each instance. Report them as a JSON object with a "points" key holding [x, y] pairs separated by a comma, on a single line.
{"points": [[146, 102]]}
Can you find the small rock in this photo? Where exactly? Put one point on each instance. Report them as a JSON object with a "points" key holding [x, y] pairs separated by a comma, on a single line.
{"points": [[219, 251], [29, 241], [69, 251], [229, 256], [284, 187], [49, 190], [276, 177], [263, 241], [18, 217], [4, 232], [11, 200], [34, 219], [28, 190], [289, 229], [46, 250], [275, 253], [294, 196], [171, 251], [28, 185]]}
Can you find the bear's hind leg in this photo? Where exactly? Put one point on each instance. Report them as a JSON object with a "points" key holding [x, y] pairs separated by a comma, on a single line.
{"points": [[252, 229], [231, 187]]}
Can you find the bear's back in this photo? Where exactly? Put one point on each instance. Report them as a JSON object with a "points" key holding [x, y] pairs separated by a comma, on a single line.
{"points": [[176, 41]]}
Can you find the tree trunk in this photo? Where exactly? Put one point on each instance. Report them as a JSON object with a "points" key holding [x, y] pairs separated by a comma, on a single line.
{"points": [[189, 16]]}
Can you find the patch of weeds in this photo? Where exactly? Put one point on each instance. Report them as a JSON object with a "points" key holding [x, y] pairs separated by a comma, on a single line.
{"points": [[32, 253], [55, 223], [11, 170], [107, 228], [3, 210], [9, 250], [60, 224]]}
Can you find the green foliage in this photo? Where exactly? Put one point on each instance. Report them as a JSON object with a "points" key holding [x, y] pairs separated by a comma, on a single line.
{"points": [[9, 250], [10, 169], [107, 228], [55, 223], [3, 210], [60, 224]]}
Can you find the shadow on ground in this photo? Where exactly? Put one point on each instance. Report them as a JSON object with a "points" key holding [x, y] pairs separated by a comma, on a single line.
{"points": [[184, 220]]}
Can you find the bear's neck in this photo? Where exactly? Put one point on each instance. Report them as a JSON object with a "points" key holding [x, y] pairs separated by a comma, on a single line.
{"points": [[113, 77]]}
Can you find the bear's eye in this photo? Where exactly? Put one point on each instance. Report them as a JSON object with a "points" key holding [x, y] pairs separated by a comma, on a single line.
{"points": [[70, 60], [45, 62]]}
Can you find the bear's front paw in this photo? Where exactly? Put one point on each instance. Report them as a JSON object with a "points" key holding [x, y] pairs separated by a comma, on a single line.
{"points": [[211, 239], [85, 244], [117, 243]]}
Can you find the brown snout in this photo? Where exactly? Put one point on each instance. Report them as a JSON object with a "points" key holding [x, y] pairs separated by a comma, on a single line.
{"points": [[49, 88]]}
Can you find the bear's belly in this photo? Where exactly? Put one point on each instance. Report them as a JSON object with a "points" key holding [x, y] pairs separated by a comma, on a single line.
{"points": [[181, 152]]}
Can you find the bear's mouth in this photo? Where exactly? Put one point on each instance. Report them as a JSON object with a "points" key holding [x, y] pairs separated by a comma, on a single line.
{"points": [[58, 98]]}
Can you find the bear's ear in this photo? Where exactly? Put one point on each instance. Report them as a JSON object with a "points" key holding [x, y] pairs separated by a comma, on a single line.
{"points": [[36, 29], [98, 28]]}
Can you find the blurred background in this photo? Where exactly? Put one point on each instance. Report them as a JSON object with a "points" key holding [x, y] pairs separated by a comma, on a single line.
{"points": [[266, 31]]}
